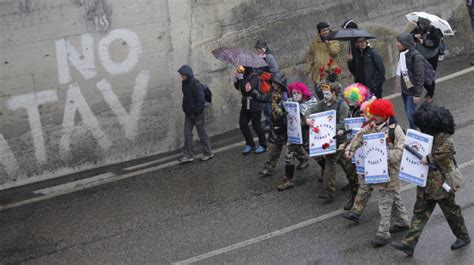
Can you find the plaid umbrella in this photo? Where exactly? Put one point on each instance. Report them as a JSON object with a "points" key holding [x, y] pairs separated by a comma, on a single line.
{"points": [[349, 34], [239, 56]]}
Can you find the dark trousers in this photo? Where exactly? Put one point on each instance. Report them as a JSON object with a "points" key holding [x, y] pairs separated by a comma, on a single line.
{"points": [[255, 116], [431, 88], [189, 123]]}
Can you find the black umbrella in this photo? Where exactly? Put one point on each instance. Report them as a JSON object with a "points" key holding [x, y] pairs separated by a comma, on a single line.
{"points": [[349, 34]]}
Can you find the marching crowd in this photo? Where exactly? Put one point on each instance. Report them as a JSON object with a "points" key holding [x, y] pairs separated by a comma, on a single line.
{"points": [[265, 89]]}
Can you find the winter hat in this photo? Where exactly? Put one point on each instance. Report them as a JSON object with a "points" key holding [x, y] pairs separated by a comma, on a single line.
{"points": [[382, 108], [356, 94], [349, 24], [261, 44], [301, 87], [322, 25]]}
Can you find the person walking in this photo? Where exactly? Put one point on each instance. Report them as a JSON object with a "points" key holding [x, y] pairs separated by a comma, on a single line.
{"points": [[193, 108], [437, 122], [390, 204], [321, 51], [428, 40], [366, 65], [410, 74], [248, 83]]}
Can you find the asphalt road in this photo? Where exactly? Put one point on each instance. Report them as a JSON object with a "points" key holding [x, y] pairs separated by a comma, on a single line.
{"points": [[220, 212]]}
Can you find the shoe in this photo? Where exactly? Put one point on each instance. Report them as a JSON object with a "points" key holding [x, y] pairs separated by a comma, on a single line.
{"points": [[351, 216], [303, 165], [185, 160], [347, 187], [441, 58], [260, 149], [247, 149], [287, 184], [379, 241], [350, 201], [460, 243], [400, 246], [206, 157], [265, 173], [397, 229], [326, 198]]}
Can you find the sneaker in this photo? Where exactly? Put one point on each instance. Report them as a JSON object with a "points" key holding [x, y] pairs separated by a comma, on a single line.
{"points": [[398, 228], [351, 216], [402, 247], [265, 173], [260, 149], [379, 241], [206, 157], [287, 184], [460, 243], [185, 160], [247, 149], [441, 58], [303, 165]]}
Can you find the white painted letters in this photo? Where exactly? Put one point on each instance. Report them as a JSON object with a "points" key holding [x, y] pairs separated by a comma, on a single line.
{"points": [[7, 159], [135, 49]]}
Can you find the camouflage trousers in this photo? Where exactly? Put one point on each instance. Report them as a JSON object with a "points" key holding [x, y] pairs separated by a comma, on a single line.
{"points": [[329, 177], [274, 152], [422, 214]]}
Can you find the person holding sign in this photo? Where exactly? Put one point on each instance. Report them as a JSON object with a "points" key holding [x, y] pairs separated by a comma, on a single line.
{"points": [[390, 203], [302, 95], [437, 122], [331, 101]]}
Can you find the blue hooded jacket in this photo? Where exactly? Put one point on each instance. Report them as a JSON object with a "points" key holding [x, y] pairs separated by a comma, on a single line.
{"points": [[193, 93]]}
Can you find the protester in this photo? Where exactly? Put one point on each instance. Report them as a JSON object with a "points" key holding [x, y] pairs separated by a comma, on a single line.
{"points": [[390, 203], [428, 39], [278, 135], [301, 94], [193, 107], [366, 65], [437, 122], [331, 101], [320, 52], [410, 75], [262, 50], [248, 83]]}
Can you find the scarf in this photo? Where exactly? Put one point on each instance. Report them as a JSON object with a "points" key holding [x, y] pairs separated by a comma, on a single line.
{"points": [[402, 64]]}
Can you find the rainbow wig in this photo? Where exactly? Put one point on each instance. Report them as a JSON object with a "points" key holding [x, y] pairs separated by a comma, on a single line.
{"points": [[356, 94]]}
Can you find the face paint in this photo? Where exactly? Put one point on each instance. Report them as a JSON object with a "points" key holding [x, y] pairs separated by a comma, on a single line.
{"points": [[327, 95], [297, 96]]}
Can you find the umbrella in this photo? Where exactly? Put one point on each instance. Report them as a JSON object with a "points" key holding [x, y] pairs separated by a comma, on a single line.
{"points": [[239, 56], [436, 21], [349, 34]]}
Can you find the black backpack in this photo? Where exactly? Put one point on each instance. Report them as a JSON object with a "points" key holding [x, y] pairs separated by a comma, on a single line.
{"points": [[207, 94]]}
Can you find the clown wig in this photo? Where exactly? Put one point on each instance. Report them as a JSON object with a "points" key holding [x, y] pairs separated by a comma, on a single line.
{"points": [[382, 108], [356, 94], [364, 107], [301, 87], [433, 120]]}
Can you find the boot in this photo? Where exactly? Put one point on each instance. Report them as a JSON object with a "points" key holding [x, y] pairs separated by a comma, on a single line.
{"points": [[460, 243], [287, 184], [326, 198], [351, 216], [350, 201], [379, 241], [400, 246]]}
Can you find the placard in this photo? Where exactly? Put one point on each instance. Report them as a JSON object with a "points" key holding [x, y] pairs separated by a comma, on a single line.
{"points": [[295, 135], [411, 168], [322, 135], [353, 123], [375, 162], [353, 133]]}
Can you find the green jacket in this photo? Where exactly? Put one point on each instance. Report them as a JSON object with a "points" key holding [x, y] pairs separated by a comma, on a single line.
{"points": [[441, 155]]}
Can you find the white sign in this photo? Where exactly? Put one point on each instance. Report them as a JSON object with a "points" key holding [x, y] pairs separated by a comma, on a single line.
{"points": [[295, 135], [359, 156], [411, 168], [353, 133], [322, 135], [375, 163], [353, 123]]}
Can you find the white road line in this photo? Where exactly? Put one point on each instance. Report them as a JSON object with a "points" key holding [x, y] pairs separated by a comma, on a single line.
{"points": [[76, 184], [157, 161], [284, 230]]}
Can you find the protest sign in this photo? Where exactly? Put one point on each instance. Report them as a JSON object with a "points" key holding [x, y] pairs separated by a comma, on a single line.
{"points": [[375, 163], [293, 122], [411, 168], [322, 135]]}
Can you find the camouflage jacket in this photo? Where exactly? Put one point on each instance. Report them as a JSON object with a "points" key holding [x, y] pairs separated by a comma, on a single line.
{"points": [[442, 156], [395, 150]]}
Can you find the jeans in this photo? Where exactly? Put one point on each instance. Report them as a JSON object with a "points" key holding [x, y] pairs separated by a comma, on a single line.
{"points": [[410, 108], [267, 112], [189, 123]]}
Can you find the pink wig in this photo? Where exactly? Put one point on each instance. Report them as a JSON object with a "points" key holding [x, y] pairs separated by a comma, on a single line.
{"points": [[301, 87]]}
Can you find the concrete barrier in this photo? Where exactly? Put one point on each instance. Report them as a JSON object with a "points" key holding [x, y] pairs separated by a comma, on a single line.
{"points": [[87, 83]]}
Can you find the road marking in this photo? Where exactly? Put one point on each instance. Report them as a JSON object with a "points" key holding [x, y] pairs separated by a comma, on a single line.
{"points": [[152, 162], [285, 230], [76, 184]]}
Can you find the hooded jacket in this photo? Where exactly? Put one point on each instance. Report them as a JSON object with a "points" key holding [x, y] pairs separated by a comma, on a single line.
{"points": [[431, 40], [415, 66], [193, 92]]}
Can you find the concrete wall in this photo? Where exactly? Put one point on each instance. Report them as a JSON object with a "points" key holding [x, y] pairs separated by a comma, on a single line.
{"points": [[86, 83]]}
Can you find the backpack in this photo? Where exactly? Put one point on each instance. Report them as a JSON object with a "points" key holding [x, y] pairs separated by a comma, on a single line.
{"points": [[430, 73], [207, 94], [391, 133]]}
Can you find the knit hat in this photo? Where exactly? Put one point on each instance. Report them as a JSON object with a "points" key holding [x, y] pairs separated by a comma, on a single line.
{"points": [[261, 44], [382, 108], [322, 25]]}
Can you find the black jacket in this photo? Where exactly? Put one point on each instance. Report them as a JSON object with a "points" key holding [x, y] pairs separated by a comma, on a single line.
{"points": [[251, 100], [431, 40], [373, 68], [415, 66], [193, 93]]}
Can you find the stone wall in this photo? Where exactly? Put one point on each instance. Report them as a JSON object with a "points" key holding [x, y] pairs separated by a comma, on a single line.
{"points": [[87, 83]]}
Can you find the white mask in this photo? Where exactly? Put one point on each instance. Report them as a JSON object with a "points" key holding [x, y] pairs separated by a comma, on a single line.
{"points": [[327, 95]]}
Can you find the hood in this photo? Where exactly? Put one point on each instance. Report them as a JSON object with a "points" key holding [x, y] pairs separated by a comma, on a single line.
{"points": [[186, 70], [407, 40]]}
